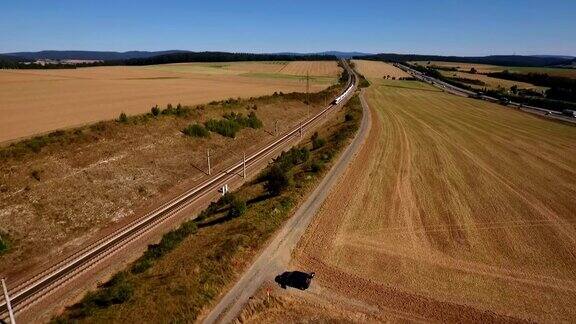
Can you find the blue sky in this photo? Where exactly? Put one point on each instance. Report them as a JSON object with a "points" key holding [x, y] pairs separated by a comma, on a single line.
{"points": [[425, 27]]}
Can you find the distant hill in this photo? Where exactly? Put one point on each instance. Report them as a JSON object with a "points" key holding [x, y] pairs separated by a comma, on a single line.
{"points": [[504, 60], [89, 55]]}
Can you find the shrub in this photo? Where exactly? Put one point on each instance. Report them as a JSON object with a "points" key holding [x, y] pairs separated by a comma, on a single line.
{"points": [[169, 110], [196, 130], [316, 166], [317, 141], [277, 180], [237, 207], [223, 127], [168, 242], [348, 117], [155, 110], [123, 118]]}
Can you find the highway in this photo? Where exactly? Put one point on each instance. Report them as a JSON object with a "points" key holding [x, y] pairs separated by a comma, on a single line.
{"points": [[33, 289], [467, 93]]}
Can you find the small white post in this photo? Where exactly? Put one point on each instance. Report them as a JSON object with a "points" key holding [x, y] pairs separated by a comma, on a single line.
{"points": [[244, 166], [208, 156], [300, 129], [8, 304]]}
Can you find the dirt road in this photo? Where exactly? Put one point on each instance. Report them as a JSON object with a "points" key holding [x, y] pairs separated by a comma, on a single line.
{"points": [[276, 257]]}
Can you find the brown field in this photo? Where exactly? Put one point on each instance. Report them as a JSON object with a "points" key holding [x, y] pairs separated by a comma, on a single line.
{"points": [[375, 69], [455, 210], [39, 101], [486, 68]]}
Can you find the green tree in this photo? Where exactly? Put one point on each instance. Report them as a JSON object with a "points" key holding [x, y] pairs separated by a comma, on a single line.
{"points": [[277, 180]]}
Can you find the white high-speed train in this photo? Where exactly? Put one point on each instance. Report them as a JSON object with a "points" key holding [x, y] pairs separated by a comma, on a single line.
{"points": [[342, 96]]}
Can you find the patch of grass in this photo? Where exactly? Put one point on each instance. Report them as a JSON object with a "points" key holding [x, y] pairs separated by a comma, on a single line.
{"points": [[317, 141], [4, 243], [196, 130], [233, 123]]}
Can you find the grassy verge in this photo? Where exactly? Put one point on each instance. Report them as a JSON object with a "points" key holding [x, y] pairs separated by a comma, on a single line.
{"points": [[4, 244], [192, 264]]}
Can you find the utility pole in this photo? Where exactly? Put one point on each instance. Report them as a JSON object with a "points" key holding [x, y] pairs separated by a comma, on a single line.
{"points": [[276, 128], [300, 129], [244, 166], [208, 158], [8, 305], [308, 89]]}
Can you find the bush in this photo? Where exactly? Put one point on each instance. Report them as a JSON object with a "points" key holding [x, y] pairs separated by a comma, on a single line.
{"points": [[169, 110], [277, 180], [168, 242], [224, 127], [317, 141], [348, 117], [237, 207], [196, 130], [123, 118], [316, 166], [155, 110]]}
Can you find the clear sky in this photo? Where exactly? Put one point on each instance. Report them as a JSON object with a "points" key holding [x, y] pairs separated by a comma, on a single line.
{"points": [[452, 27]]}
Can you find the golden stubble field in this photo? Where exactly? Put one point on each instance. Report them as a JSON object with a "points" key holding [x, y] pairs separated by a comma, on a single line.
{"points": [[454, 210], [376, 69], [38, 101]]}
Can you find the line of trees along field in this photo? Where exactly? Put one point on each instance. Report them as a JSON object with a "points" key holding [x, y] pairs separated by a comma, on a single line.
{"points": [[561, 88], [7, 62], [505, 60]]}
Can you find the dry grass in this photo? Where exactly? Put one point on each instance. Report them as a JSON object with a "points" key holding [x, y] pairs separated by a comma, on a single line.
{"points": [[60, 197], [376, 69], [454, 210], [38, 101]]}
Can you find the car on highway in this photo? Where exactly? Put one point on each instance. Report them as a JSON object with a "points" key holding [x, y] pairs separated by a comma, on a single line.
{"points": [[295, 279]]}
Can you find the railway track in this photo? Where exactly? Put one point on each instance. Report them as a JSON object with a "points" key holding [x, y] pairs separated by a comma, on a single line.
{"points": [[34, 288]]}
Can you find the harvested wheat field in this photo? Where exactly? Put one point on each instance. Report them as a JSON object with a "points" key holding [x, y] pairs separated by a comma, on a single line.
{"points": [[376, 69], [455, 210], [38, 101]]}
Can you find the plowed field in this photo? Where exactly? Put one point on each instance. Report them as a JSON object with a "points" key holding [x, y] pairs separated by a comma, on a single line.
{"points": [[454, 210]]}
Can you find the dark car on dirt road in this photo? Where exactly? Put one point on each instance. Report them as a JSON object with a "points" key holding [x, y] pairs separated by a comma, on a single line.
{"points": [[295, 279]]}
